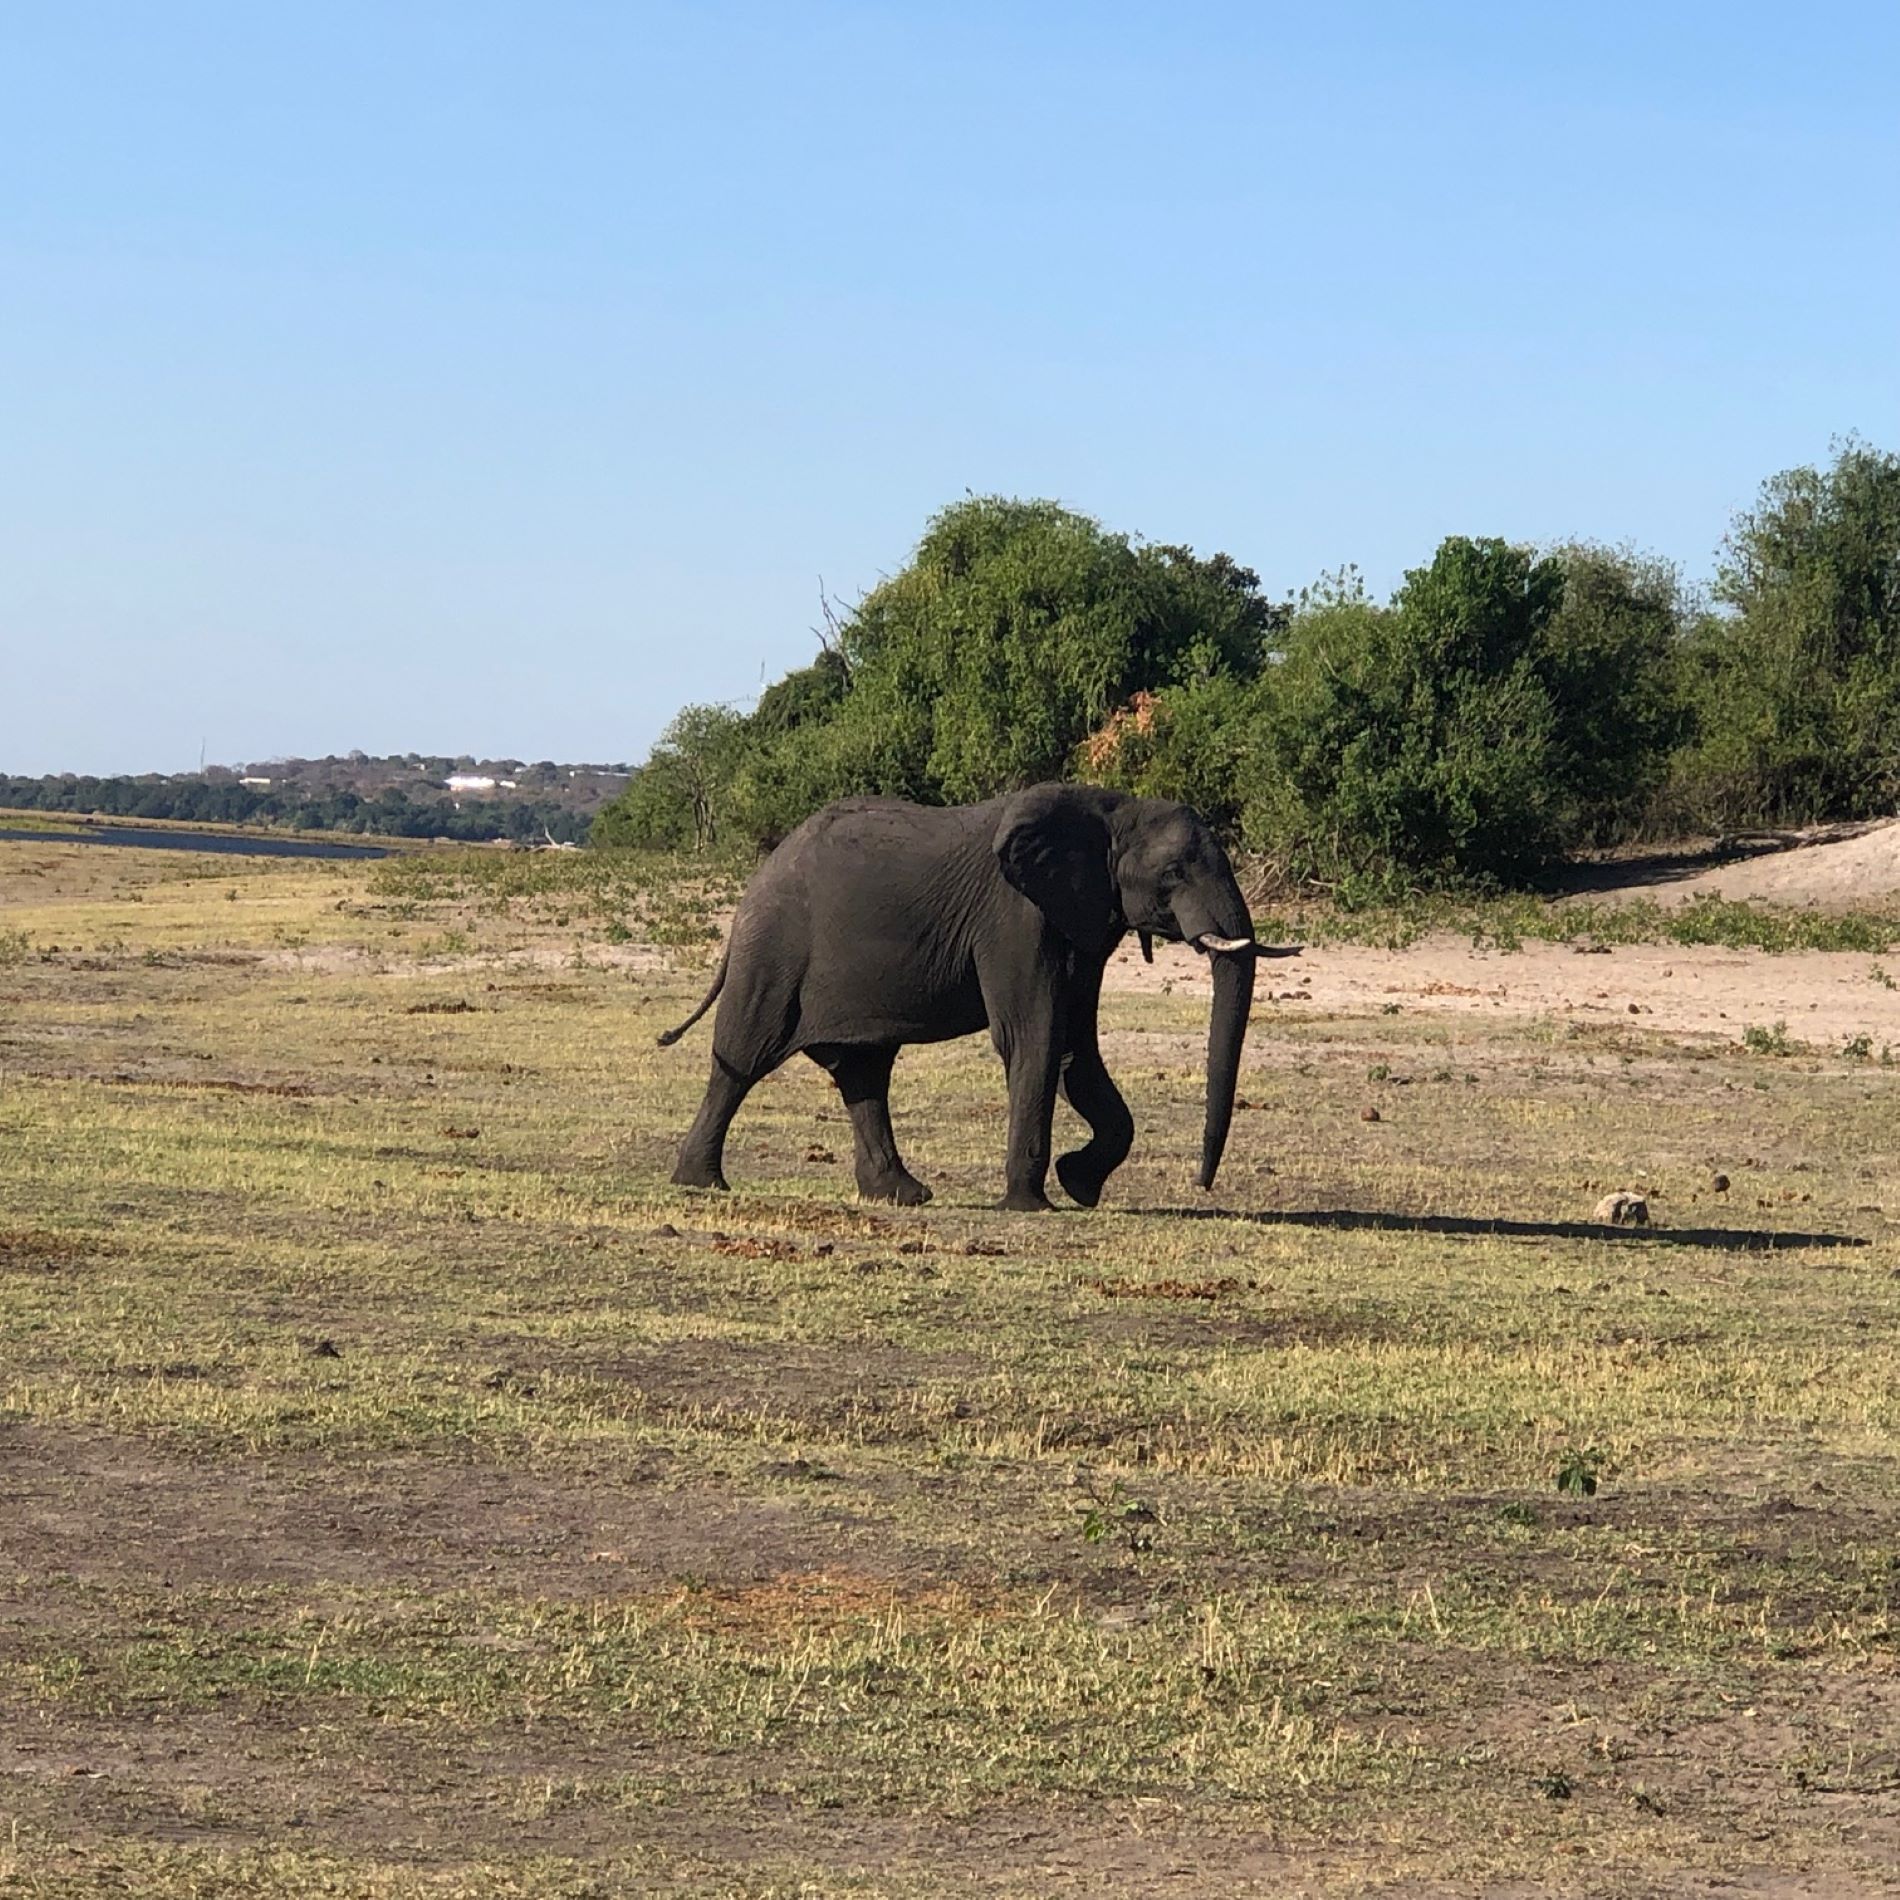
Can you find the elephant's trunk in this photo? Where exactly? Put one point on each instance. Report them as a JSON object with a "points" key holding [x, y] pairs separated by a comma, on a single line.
{"points": [[1212, 915], [1226, 1031]]}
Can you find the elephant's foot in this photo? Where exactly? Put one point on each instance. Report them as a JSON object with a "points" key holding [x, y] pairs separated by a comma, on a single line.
{"points": [[1081, 1180], [903, 1188], [699, 1174], [1027, 1200]]}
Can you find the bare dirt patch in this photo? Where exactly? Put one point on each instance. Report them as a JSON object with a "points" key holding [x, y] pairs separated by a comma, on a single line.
{"points": [[111, 1510], [1835, 868], [38, 1250], [1824, 997]]}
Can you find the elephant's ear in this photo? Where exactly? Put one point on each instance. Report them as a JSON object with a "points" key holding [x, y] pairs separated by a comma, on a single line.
{"points": [[1054, 847]]}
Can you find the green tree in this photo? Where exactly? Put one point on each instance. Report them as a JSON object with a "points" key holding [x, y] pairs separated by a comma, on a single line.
{"points": [[808, 696], [678, 797], [1505, 706], [1014, 631], [1796, 677], [1612, 661], [1012, 634]]}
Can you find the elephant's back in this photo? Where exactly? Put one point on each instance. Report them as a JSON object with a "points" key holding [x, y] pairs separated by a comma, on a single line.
{"points": [[857, 928], [888, 841]]}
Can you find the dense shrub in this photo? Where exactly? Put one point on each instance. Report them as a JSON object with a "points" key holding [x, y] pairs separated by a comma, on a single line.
{"points": [[1014, 631], [1795, 678], [1505, 707], [678, 798]]}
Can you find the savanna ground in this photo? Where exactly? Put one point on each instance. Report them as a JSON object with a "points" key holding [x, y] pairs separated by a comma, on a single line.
{"points": [[405, 1492]]}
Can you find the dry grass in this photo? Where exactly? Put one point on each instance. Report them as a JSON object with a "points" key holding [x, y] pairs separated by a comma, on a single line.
{"points": [[413, 1495]]}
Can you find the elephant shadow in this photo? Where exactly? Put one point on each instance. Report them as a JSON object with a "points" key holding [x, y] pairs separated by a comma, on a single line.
{"points": [[1467, 1227]]}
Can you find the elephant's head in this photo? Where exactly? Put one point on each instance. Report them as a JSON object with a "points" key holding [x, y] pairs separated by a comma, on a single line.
{"points": [[1100, 863]]}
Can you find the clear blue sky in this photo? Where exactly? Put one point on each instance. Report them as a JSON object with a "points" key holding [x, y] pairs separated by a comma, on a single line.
{"points": [[494, 378]]}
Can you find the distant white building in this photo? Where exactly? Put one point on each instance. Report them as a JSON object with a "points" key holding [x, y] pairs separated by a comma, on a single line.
{"points": [[469, 782], [256, 784]]}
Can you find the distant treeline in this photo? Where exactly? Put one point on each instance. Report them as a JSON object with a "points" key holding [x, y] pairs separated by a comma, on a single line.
{"points": [[393, 813], [1506, 706]]}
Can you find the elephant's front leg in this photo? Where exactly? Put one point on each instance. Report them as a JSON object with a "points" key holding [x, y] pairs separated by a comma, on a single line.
{"points": [[1033, 1060], [1093, 1095]]}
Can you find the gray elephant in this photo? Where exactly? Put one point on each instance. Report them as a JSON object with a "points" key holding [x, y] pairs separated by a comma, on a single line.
{"points": [[879, 923]]}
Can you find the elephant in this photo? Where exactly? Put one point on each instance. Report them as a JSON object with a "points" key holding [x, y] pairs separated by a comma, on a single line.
{"points": [[878, 923]]}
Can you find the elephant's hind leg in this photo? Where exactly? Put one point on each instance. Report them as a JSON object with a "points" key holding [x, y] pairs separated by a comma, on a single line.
{"points": [[863, 1077], [1093, 1095], [702, 1153]]}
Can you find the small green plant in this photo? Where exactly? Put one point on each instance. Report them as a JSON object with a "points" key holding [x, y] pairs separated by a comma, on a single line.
{"points": [[1858, 1049], [1518, 1513], [1378, 1072], [14, 946], [1767, 1042], [1875, 974], [1579, 1472], [1132, 1518]]}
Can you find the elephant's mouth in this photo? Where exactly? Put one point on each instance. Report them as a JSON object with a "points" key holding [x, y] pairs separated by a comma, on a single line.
{"points": [[1209, 945]]}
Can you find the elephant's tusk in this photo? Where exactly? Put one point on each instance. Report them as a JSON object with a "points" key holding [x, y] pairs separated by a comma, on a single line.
{"points": [[1234, 946]]}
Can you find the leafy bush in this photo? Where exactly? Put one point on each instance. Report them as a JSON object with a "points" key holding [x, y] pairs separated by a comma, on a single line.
{"points": [[678, 798], [1014, 631], [1795, 679], [1505, 707], [1195, 743]]}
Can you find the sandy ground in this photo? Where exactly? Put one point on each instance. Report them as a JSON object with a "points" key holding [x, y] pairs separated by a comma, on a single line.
{"points": [[1831, 873], [1824, 997]]}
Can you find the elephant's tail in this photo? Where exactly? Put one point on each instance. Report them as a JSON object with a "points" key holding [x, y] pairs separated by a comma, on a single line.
{"points": [[671, 1036]]}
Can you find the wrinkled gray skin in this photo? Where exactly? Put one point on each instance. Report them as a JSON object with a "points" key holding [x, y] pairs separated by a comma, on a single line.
{"points": [[878, 923]]}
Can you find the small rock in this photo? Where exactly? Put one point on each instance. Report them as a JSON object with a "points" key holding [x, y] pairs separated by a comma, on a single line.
{"points": [[1623, 1209], [326, 1349], [1369, 1114], [1720, 1184]]}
